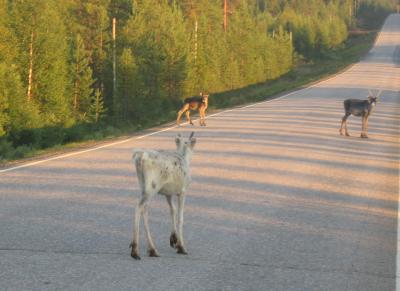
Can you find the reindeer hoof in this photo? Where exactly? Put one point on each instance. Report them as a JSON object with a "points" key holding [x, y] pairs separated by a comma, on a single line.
{"points": [[173, 240], [181, 250], [135, 255], [134, 252], [364, 136], [153, 253], [347, 134]]}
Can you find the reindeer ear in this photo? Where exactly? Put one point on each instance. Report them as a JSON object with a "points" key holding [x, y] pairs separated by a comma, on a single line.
{"points": [[178, 139], [192, 142]]}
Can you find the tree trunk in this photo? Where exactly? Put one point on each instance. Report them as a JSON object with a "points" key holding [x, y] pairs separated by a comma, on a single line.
{"points": [[114, 22], [76, 89], [30, 74], [225, 15], [195, 39]]}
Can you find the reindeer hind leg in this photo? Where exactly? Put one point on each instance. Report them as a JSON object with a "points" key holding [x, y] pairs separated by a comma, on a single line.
{"points": [[151, 248], [188, 117], [183, 109], [202, 117], [136, 225]]}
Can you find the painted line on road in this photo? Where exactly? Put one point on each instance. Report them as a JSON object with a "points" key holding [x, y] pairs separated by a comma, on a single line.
{"points": [[84, 151], [159, 131]]}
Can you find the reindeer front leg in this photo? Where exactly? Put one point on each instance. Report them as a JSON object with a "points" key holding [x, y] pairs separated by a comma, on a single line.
{"points": [[180, 246], [366, 126], [363, 129], [202, 117]]}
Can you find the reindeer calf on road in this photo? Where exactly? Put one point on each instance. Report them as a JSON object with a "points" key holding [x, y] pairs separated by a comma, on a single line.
{"points": [[165, 173], [361, 108]]}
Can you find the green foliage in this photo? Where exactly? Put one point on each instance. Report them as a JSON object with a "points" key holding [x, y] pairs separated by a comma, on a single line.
{"points": [[15, 112], [153, 60], [316, 26], [6, 149], [41, 51]]}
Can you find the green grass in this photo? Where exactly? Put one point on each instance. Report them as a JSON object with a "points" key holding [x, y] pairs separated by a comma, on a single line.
{"points": [[302, 74]]}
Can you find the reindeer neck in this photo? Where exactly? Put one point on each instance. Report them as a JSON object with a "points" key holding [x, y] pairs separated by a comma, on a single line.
{"points": [[186, 154]]}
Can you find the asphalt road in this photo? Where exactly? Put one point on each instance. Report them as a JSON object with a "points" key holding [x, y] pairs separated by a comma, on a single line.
{"points": [[279, 200]]}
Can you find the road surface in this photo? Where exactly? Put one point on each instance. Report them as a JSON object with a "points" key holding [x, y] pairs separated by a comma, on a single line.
{"points": [[279, 200]]}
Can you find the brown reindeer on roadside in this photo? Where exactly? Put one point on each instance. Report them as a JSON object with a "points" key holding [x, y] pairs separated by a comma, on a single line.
{"points": [[199, 103]]}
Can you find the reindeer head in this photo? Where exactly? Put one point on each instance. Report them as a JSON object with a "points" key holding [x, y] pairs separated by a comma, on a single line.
{"points": [[373, 98], [182, 144], [204, 97]]}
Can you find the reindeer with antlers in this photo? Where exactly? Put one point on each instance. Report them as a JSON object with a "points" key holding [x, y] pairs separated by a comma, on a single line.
{"points": [[361, 108]]}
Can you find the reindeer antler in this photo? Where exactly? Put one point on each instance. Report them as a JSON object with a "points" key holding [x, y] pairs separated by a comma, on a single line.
{"points": [[379, 93], [191, 135], [370, 93]]}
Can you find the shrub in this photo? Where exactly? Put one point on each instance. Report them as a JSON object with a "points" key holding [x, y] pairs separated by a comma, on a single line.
{"points": [[6, 149], [51, 136], [21, 152], [77, 132]]}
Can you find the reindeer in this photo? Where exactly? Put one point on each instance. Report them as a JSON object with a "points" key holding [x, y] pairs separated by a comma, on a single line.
{"points": [[361, 108], [194, 103], [166, 173]]}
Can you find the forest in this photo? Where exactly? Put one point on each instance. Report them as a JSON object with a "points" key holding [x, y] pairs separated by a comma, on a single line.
{"points": [[68, 68]]}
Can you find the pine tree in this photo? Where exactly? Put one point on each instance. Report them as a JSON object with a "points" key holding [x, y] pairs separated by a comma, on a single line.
{"points": [[82, 80], [97, 111]]}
